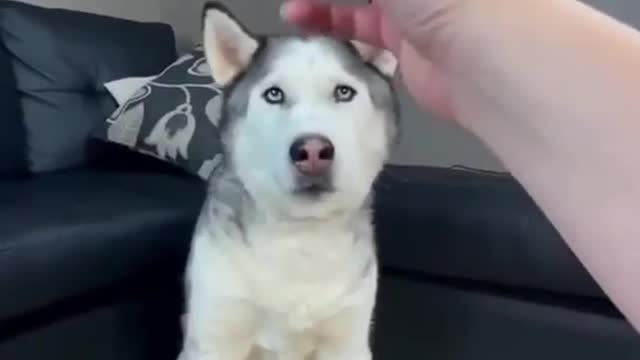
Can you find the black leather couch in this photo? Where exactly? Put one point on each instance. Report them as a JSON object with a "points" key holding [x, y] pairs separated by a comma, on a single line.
{"points": [[93, 238]]}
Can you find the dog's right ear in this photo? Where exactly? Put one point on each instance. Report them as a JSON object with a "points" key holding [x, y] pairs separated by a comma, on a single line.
{"points": [[381, 59], [228, 46]]}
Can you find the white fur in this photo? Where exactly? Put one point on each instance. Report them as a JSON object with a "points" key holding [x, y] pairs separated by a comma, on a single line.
{"points": [[308, 75], [301, 277], [294, 291]]}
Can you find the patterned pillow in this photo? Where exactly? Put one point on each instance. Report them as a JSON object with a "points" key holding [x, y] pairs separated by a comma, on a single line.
{"points": [[172, 116]]}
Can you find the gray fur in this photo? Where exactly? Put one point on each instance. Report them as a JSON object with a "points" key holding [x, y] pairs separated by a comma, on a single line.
{"points": [[380, 88], [244, 207], [228, 204], [368, 267]]}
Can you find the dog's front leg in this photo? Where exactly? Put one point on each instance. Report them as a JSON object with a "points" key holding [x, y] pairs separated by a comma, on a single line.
{"points": [[223, 330], [220, 323], [345, 336]]}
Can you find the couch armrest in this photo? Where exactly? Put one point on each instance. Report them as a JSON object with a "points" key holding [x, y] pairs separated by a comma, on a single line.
{"points": [[472, 225]]}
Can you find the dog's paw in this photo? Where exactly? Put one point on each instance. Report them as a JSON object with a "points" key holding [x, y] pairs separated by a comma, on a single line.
{"points": [[364, 354]]}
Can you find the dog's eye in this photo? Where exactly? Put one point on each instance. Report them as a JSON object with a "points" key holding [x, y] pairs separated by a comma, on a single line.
{"points": [[274, 95], [344, 93]]}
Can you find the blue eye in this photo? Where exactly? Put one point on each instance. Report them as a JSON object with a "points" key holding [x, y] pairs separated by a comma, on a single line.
{"points": [[274, 95], [344, 93]]}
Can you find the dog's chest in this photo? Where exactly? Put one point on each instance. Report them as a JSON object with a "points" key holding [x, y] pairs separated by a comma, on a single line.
{"points": [[300, 278]]}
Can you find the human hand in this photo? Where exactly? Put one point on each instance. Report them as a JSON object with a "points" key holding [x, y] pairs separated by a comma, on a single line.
{"points": [[416, 31]]}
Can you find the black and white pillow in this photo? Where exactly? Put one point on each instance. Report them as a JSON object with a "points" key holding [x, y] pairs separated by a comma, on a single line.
{"points": [[172, 116]]}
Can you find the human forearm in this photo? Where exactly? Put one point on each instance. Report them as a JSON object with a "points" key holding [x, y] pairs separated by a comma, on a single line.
{"points": [[551, 87]]}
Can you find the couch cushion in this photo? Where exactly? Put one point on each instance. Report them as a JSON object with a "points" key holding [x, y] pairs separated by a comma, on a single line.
{"points": [[61, 59], [473, 226], [65, 235], [13, 142]]}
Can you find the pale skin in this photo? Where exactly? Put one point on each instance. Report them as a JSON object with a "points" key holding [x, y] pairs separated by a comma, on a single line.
{"points": [[550, 86]]}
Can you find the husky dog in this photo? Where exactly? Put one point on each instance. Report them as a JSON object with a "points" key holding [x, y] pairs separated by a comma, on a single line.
{"points": [[283, 262]]}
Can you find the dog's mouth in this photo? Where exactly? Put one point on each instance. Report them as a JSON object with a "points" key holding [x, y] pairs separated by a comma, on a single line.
{"points": [[313, 186]]}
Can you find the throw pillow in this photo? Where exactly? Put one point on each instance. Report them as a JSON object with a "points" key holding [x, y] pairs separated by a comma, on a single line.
{"points": [[172, 116]]}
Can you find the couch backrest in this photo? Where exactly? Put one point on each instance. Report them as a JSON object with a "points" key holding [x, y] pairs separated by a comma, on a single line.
{"points": [[13, 142], [60, 60]]}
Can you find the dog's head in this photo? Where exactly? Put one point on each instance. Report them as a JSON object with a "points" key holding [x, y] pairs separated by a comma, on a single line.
{"points": [[307, 122]]}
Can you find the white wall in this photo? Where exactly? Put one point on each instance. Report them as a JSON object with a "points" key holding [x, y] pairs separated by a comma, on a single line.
{"points": [[142, 10], [425, 139]]}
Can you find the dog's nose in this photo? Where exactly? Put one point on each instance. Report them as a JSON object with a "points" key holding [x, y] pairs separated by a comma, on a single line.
{"points": [[312, 154]]}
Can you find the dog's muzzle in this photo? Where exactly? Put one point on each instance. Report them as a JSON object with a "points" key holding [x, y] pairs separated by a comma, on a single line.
{"points": [[312, 158]]}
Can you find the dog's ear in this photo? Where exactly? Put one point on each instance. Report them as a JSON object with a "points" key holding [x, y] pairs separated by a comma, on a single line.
{"points": [[381, 59], [228, 46]]}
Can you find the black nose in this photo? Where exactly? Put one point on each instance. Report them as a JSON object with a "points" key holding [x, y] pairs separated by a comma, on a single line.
{"points": [[312, 154]]}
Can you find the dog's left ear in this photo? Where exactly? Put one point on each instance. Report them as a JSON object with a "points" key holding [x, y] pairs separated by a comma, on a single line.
{"points": [[228, 46], [381, 59]]}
